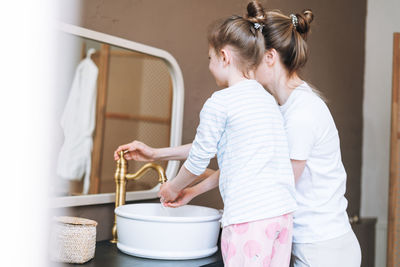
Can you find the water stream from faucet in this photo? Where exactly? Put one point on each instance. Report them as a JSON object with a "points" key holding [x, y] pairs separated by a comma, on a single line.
{"points": [[164, 210]]}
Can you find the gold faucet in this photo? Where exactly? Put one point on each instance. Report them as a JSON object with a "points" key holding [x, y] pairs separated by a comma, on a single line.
{"points": [[121, 178]]}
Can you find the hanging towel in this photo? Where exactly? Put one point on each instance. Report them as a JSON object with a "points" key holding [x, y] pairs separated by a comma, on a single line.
{"points": [[78, 122]]}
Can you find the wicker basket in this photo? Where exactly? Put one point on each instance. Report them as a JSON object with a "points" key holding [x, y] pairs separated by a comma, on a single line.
{"points": [[73, 239]]}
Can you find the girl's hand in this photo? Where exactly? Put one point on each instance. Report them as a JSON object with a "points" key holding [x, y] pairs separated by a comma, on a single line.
{"points": [[168, 193], [137, 151], [183, 198]]}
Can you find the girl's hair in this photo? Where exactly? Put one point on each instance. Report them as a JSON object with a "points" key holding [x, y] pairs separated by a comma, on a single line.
{"points": [[243, 34], [286, 34]]}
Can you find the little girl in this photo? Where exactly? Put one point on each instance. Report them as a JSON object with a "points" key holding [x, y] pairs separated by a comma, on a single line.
{"points": [[242, 124]]}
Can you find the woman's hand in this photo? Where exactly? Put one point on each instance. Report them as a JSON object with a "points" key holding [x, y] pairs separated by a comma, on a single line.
{"points": [[183, 198], [137, 151]]}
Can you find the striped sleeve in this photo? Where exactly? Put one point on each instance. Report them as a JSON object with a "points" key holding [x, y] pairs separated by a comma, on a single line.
{"points": [[213, 118]]}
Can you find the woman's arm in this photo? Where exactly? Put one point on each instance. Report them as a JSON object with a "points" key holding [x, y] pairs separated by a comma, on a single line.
{"points": [[298, 168], [141, 152], [173, 153]]}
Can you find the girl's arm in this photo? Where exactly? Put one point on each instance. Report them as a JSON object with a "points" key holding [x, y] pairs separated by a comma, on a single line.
{"points": [[208, 172], [170, 190], [189, 193], [141, 152], [213, 117]]}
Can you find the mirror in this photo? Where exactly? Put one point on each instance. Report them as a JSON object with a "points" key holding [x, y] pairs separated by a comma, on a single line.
{"points": [[138, 94]]}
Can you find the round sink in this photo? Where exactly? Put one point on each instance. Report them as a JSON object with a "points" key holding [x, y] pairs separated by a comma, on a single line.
{"points": [[150, 230]]}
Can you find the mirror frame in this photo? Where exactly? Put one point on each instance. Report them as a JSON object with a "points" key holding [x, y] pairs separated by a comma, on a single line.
{"points": [[176, 119]]}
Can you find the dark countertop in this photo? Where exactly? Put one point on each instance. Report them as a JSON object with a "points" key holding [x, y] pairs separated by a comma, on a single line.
{"points": [[108, 255]]}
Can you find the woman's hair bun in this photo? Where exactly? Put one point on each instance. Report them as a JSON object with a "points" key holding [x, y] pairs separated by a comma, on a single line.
{"points": [[304, 21], [255, 12]]}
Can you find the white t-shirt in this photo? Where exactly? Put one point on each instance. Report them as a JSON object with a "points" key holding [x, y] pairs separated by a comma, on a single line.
{"points": [[312, 136], [242, 124]]}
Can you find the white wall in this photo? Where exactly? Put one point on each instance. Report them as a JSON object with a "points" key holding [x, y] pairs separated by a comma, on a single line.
{"points": [[382, 21], [25, 112]]}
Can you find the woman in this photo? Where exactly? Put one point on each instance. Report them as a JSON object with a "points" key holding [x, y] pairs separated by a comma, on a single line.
{"points": [[322, 233]]}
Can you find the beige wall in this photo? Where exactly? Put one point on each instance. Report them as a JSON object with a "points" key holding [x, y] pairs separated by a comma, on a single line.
{"points": [[335, 67], [382, 22]]}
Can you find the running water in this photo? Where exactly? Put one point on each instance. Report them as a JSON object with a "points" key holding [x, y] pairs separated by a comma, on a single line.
{"points": [[164, 210]]}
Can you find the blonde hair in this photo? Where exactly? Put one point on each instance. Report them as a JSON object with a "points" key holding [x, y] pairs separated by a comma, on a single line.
{"points": [[287, 35], [243, 35]]}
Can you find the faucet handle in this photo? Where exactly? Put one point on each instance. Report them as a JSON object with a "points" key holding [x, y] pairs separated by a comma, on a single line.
{"points": [[122, 160]]}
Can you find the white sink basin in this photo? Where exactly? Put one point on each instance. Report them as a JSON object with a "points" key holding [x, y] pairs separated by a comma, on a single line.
{"points": [[151, 231]]}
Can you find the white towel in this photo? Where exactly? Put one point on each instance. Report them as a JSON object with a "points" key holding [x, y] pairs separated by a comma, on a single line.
{"points": [[78, 122]]}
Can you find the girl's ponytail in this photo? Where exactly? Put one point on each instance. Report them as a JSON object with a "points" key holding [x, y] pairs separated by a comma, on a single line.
{"points": [[244, 34], [255, 12]]}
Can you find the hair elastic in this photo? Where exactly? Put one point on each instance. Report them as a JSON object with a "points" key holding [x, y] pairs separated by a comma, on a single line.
{"points": [[295, 21], [258, 26]]}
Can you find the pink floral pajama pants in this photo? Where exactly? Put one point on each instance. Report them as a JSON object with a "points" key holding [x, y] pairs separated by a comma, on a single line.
{"points": [[264, 243]]}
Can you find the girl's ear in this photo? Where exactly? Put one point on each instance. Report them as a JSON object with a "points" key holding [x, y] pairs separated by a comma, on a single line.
{"points": [[225, 56]]}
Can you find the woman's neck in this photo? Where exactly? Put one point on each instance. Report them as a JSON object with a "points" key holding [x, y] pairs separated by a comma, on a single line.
{"points": [[282, 87]]}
